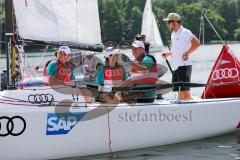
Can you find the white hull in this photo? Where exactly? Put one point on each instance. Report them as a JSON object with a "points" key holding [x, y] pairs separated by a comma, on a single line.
{"points": [[131, 126]]}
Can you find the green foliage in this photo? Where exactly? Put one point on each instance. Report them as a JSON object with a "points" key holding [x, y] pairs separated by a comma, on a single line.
{"points": [[121, 19], [223, 14]]}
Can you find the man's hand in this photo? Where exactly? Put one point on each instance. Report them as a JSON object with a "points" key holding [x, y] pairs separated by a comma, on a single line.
{"points": [[166, 54], [125, 58], [185, 56]]}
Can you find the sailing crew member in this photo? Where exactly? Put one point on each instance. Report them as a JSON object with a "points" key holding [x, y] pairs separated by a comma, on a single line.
{"points": [[60, 70], [144, 71], [184, 43], [89, 63], [111, 74], [142, 38]]}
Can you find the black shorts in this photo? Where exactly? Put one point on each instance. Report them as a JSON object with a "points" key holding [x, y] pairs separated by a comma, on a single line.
{"points": [[182, 74]]}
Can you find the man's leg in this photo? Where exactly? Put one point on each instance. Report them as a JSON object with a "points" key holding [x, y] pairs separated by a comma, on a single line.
{"points": [[184, 75], [185, 95]]}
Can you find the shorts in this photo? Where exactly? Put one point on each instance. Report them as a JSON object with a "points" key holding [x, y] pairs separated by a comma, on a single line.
{"points": [[182, 74]]}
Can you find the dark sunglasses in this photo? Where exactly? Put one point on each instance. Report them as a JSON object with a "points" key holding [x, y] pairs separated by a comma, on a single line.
{"points": [[170, 21]]}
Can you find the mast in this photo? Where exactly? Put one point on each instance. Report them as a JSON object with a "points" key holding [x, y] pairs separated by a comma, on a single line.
{"points": [[10, 42]]}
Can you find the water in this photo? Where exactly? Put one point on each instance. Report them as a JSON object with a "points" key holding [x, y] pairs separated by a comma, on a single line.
{"points": [[225, 147]]}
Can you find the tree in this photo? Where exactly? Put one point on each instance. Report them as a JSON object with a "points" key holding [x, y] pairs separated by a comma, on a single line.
{"points": [[229, 10]]}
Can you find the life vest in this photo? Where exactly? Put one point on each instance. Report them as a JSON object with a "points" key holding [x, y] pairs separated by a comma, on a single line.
{"points": [[64, 71], [113, 76], [145, 77]]}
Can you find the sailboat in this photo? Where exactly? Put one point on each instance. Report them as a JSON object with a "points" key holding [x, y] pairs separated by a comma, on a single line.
{"points": [[150, 28], [55, 122]]}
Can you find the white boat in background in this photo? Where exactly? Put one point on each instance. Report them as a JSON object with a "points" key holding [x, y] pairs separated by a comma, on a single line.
{"points": [[150, 28]]}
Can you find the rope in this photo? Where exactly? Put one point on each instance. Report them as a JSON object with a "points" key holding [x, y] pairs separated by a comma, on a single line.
{"points": [[212, 27], [202, 29], [109, 132], [13, 31]]}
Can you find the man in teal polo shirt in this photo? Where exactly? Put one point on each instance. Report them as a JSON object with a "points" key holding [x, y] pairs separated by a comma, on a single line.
{"points": [[144, 71], [60, 70]]}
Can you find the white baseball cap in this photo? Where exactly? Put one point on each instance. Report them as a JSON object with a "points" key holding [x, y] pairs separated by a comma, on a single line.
{"points": [[138, 44], [65, 49], [109, 51], [88, 53]]}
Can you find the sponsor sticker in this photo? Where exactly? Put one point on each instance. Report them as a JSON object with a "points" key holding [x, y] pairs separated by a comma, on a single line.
{"points": [[62, 123]]}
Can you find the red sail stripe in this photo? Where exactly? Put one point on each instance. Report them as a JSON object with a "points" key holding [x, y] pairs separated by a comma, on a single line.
{"points": [[226, 69]]}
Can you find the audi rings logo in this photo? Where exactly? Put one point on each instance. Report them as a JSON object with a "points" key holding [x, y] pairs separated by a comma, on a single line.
{"points": [[110, 73], [64, 71], [14, 126], [225, 73], [40, 98]]}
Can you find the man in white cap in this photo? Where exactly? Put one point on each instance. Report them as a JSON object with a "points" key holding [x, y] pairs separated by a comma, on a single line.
{"points": [[111, 74], [144, 70], [60, 70], [184, 43]]}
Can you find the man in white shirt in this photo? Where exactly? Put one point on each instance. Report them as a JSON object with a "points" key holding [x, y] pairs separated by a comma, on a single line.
{"points": [[184, 43], [89, 63]]}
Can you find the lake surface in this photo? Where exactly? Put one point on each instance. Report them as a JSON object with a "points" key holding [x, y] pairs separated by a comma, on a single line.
{"points": [[225, 147]]}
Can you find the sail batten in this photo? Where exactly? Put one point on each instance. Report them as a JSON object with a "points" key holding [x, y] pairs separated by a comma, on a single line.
{"points": [[59, 20], [150, 28]]}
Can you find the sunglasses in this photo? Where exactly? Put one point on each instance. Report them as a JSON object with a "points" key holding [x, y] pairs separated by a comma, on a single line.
{"points": [[170, 21]]}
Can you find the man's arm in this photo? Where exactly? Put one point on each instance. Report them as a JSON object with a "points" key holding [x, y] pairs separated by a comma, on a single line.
{"points": [[51, 72], [195, 44], [138, 66], [52, 80]]}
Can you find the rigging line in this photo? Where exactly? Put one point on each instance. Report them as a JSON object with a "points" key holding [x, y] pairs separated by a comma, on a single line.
{"points": [[165, 37], [43, 54], [19, 100], [13, 36], [213, 27], [200, 29]]}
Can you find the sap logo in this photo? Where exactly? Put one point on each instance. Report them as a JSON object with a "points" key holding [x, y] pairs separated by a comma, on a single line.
{"points": [[62, 123]]}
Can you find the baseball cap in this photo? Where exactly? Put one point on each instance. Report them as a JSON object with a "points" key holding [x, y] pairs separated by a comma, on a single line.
{"points": [[138, 44], [88, 53], [109, 51], [65, 49], [173, 17]]}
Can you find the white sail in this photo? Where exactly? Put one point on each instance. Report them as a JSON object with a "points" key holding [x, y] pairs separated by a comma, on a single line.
{"points": [[58, 20], [150, 28]]}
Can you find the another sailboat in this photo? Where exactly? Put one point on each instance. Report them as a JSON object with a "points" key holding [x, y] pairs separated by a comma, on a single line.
{"points": [[150, 28]]}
